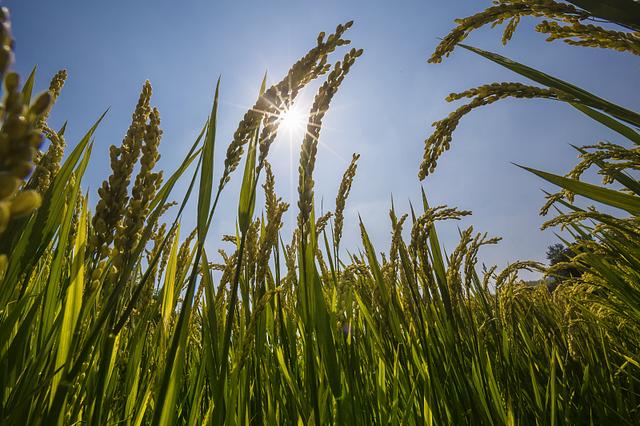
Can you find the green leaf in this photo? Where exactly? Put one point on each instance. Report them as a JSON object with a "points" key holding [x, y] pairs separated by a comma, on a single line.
{"points": [[581, 95], [163, 194], [27, 89], [32, 235], [606, 196], [623, 12], [206, 175], [169, 288], [322, 319], [73, 302], [385, 292], [248, 189], [172, 378], [62, 129], [58, 265], [210, 321], [614, 125], [143, 407], [621, 177], [437, 258]]}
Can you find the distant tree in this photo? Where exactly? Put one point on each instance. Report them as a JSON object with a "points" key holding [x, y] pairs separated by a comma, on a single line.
{"points": [[558, 253]]}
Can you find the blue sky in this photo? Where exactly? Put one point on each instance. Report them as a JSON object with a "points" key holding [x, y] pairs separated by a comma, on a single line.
{"points": [[383, 109]]}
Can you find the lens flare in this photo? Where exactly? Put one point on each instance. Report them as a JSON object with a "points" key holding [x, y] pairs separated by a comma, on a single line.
{"points": [[293, 121]]}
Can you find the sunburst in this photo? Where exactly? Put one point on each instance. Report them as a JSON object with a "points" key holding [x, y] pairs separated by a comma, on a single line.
{"points": [[293, 122]]}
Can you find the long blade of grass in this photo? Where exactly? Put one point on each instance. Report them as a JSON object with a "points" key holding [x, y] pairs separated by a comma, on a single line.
{"points": [[609, 122], [73, 302], [58, 264], [172, 378], [624, 12], [623, 178], [169, 288], [27, 89], [609, 197], [206, 176], [40, 228], [582, 95]]}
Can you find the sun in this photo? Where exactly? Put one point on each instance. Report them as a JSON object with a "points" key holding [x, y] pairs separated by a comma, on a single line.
{"points": [[292, 121]]}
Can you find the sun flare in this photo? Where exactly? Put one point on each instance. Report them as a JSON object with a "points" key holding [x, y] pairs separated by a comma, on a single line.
{"points": [[292, 121]]}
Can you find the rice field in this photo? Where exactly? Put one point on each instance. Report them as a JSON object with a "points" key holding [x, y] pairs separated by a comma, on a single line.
{"points": [[112, 312]]}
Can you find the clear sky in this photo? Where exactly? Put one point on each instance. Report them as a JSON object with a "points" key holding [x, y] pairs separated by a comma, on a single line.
{"points": [[383, 109]]}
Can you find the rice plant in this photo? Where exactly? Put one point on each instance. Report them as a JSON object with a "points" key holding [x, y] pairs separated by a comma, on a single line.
{"points": [[117, 314]]}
